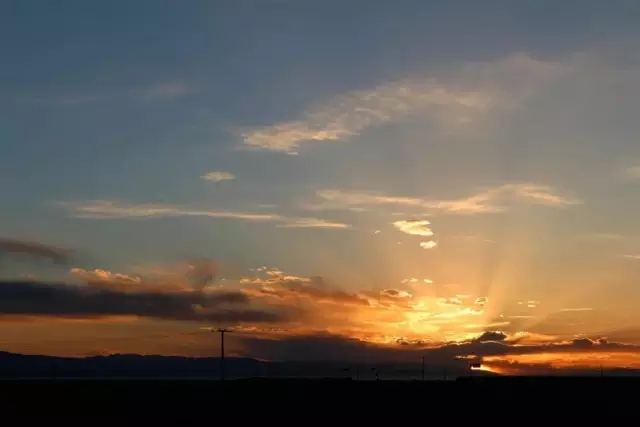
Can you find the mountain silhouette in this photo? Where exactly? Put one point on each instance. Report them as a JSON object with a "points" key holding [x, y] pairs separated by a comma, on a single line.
{"points": [[14, 365]]}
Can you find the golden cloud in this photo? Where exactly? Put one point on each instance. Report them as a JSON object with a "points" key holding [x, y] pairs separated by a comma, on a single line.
{"points": [[416, 227]]}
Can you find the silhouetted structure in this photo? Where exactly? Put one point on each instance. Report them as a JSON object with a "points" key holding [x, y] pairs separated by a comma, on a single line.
{"points": [[222, 332]]}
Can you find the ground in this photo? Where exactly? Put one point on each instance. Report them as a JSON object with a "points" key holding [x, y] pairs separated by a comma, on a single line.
{"points": [[269, 398]]}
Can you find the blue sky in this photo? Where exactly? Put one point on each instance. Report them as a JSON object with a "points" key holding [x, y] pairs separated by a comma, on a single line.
{"points": [[510, 126]]}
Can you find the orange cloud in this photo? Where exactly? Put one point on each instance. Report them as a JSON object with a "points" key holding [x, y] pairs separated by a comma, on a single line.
{"points": [[275, 313], [549, 362], [189, 275], [382, 316]]}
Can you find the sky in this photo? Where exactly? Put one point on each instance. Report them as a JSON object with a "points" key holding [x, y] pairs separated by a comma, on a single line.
{"points": [[329, 179]]}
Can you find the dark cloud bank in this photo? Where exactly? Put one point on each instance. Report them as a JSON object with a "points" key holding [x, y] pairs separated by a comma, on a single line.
{"points": [[63, 300], [22, 249]]}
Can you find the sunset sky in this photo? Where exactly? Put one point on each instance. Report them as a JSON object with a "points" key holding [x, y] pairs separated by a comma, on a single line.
{"points": [[331, 179]]}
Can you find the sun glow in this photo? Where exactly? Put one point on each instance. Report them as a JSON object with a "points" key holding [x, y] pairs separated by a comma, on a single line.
{"points": [[522, 363]]}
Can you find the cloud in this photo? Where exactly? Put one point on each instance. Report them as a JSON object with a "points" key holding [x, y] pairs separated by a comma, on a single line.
{"points": [[313, 223], [110, 210], [492, 349], [603, 236], [115, 281], [491, 336], [14, 247], [217, 176], [103, 209], [414, 280], [292, 288], [279, 285], [327, 206], [62, 300], [411, 312], [481, 301], [533, 304], [451, 301], [201, 272], [190, 275], [348, 115], [285, 316], [490, 200], [416, 227], [428, 245], [457, 101], [633, 257]]}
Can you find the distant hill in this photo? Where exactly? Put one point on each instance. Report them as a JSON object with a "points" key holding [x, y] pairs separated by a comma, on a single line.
{"points": [[138, 366]]}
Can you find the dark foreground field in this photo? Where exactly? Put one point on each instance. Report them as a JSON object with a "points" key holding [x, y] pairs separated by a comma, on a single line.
{"points": [[282, 400]]}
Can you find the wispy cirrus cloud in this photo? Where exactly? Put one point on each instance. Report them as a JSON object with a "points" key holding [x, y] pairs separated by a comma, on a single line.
{"points": [[111, 210], [218, 176], [458, 100], [312, 223], [348, 115], [633, 257], [104, 209], [491, 200], [602, 237]]}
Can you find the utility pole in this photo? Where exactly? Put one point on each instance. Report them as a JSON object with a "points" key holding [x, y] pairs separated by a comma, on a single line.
{"points": [[222, 332], [422, 373]]}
